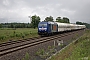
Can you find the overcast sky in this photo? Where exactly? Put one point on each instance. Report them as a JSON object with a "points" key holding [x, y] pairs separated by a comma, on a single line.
{"points": [[19, 10]]}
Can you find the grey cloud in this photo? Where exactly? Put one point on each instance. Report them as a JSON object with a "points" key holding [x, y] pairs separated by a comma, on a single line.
{"points": [[19, 10]]}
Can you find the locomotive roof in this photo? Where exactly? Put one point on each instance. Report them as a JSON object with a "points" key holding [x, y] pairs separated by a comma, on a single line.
{"points": [[49, 22]]}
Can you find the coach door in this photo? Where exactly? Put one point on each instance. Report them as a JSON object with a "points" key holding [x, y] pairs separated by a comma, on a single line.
{"points": [[54, 28], [49, 28]]}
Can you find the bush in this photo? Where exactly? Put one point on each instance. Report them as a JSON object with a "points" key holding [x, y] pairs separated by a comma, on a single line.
{"points": [[40, 52], [18, 35], [2, 37], [26, 33], [27, 57]]}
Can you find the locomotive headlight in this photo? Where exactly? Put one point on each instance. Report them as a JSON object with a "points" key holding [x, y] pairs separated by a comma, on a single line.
{"points": [[45, 29], [40, 29]]}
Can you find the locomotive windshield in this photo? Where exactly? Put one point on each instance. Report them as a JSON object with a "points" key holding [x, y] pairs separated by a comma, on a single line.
{"points": [[42, 25]]}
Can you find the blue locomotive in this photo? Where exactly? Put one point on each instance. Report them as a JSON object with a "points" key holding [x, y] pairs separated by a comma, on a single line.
{"points": [[46, 28]]}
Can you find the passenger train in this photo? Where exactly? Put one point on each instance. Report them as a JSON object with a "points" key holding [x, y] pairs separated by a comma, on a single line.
{"points": [[48, 28]]}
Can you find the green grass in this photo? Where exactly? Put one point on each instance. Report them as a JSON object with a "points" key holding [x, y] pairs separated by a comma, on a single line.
{"points": [[27, 57], [79, 50], [15, 34]]}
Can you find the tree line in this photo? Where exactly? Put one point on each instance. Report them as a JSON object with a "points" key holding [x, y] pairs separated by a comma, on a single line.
{"points": [[34, 23], [35, 20], [82, 23], [15, 25]]}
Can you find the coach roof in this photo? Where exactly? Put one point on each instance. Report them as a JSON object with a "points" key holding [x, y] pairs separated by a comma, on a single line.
{"points": [[51, 22]]}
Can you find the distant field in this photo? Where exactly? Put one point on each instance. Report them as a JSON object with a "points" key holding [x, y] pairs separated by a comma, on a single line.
{"points": [[15, 34], [79, 50]]}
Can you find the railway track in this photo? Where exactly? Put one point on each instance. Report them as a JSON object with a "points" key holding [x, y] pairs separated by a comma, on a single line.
{"points": [[12, 46], [19, 41]]}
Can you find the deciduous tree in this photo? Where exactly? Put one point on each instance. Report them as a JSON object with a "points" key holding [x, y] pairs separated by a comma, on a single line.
{"points": [[50, 18], [35, 21], [63, 20]]}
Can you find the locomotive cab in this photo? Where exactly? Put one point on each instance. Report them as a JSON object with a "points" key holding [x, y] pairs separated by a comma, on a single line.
{"points": [[42, 28]]}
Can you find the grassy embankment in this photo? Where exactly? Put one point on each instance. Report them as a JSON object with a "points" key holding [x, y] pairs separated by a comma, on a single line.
{"points": [[15, 34], [80, 50]]}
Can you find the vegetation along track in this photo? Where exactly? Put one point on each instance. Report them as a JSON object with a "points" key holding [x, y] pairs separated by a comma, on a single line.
{"points": [[13, 46]]}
